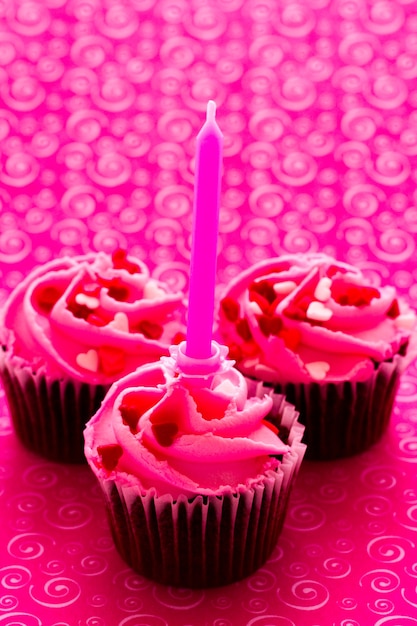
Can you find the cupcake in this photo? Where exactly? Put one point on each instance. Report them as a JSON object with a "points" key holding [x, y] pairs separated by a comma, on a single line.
{"points": [[196, 480], [70, 329], [315, 330]]}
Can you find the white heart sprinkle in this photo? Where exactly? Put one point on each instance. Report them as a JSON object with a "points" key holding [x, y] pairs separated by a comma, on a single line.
{"points": [[285, 287], [318, 312], [322, 291], [88, 360], [152, 290], [317, 369], [88, 301], [406, 321], [120, 322], [255, 308]]}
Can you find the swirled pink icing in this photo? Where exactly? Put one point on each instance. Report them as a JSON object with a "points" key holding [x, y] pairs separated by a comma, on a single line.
{"points": [[93, 318], [182, 435], [303, 318]]}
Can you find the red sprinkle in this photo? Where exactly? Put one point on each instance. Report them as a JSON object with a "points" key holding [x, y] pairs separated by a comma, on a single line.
{"points": [[111, 360], [165, 433], [80, 311], [353, 295], [135, 404], [110, 455], [291, 337], [269, 325], [151, 330], [163, 426], [262, 302], [295, 312], [235, 352], [243, 329], [178, 338], [46, 297], [116, 288], [120, 262], [264, 288], [230, 308], [394, 310]]}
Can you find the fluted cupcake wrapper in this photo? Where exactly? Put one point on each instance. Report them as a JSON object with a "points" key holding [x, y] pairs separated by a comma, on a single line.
{"points": [[204, 541], [342, 419], [49, 414]]}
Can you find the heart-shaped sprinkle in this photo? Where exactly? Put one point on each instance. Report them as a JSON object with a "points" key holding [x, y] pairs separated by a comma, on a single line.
{"points": [[322, 291], [235, 352], [116, 289], [121, 262], [151, 330], [243, 329], [90, 302], [318, 312], [353, 295], [135, 404], [258, 299], [291, 337], [165, 433], [230, 309], [255, 308], [178, 338], [120, 322], [317, 369], [88, 360], [164, 428], [285, 287], [264, 288], [152, 291], [80, 311], [269, 325], [46, 297], [110, 455]]}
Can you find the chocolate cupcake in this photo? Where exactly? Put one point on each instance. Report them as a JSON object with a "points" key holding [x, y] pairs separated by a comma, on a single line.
{"points": [[196, 480], [317, 331], [71, 328]]}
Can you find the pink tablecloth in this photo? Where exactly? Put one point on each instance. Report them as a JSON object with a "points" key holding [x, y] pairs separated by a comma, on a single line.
{"points": [[100, 103]]}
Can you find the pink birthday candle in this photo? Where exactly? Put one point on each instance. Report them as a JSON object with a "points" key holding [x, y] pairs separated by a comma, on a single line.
{"points": [[205, 234]]}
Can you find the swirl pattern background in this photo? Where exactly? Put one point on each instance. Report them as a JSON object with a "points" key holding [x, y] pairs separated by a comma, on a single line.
{"points": [[100, 104]]}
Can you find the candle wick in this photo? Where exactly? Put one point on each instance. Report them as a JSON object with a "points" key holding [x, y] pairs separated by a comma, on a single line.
{"points": [[211, 111]]}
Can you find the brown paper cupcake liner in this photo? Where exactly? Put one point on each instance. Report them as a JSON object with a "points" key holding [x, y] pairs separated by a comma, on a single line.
{"points": [[205, 541], [342, 419], [49, 415]]}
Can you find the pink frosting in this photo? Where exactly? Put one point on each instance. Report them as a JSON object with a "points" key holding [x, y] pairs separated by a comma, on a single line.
{"points": [[182, 435], [93, 318], [303, 318]]}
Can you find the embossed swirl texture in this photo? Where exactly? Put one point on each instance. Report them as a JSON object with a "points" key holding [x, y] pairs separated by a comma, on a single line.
{"points": [[100, 104]]}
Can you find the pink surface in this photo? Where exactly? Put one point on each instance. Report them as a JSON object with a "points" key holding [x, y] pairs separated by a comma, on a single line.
{"points": [[100, 106]]}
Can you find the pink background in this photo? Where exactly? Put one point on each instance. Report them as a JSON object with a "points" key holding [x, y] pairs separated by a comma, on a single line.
{"points": [[100, 103]]}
